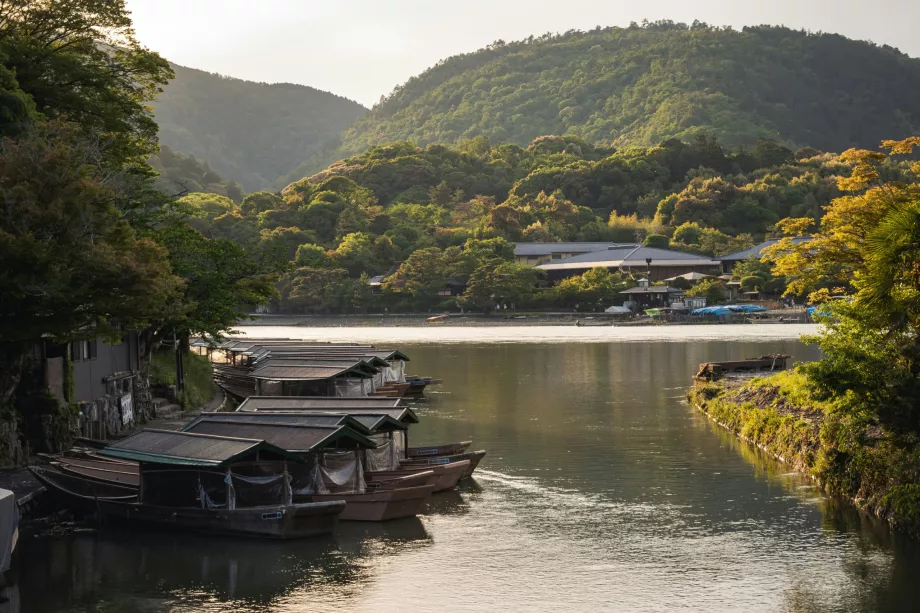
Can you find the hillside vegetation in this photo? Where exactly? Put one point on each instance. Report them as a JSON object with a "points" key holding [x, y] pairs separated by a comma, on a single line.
{"points": [[645, 84], [424, 215], [251, 133]]}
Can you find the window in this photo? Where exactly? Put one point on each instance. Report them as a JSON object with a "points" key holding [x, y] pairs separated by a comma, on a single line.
{"points": [[83, 350]]}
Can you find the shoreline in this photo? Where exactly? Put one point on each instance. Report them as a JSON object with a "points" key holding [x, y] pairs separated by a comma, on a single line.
{"points": [[492, 334], [762, 412]]}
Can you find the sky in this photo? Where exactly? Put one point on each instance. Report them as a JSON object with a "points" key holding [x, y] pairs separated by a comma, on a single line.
{"points": [[362, 49]]}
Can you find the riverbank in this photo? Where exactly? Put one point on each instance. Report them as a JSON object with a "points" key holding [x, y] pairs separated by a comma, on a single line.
{"points": [[502, 318], [845, 453]]}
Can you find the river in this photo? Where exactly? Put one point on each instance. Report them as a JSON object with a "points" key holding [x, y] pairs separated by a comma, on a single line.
{"points": [[602, 491]]}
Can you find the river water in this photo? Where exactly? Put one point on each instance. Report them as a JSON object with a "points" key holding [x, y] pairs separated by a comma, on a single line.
{"points": [[602, 491]]}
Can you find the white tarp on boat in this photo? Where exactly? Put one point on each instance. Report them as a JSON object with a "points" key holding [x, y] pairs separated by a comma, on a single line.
{"points": [[396, 371], [9, 527]]}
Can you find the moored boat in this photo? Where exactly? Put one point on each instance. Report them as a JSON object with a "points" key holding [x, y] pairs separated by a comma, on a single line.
{"points": [[218, 484], [116, 474], [80, 494], [473, 457], [381, 504], [438, 450], [448, 473], [384, 481]]}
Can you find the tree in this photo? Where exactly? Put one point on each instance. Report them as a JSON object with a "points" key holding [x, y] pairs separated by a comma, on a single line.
{"points": [[597, 286], [311, 256], [422, 276], [259, 202], [355, 254], [658, 241], [80, 60], [72, 266], [493, 283], [221, 281], [712, 289]]}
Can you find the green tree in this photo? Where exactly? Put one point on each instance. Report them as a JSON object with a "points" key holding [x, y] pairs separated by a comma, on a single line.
{"points": [[80, 60], [495, 283], [311, 256], [713, 290]]}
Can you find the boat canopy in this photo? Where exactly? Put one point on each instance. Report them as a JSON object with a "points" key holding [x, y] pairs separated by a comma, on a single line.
{"points": [[189, 449], [282, 372], [728, 309], [293, 418], [401, 414], [296, 438], [326, 403]]}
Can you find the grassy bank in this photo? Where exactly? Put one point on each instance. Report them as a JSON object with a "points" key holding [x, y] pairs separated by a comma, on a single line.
{"points": [[844, 451], [199, 384]]}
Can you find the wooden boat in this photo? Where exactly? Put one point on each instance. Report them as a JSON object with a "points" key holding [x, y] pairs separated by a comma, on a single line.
{"points": [[448, 474], [271, 521], [381, 505], [80, 494], [438, 450], [118, 474], [473, 457], [385, 481]]}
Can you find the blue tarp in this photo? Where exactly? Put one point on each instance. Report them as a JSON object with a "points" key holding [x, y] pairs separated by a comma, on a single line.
{"points": [[728, 309]]}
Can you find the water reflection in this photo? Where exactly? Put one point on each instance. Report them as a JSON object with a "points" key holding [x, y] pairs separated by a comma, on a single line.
{"points": [[602, 491]]}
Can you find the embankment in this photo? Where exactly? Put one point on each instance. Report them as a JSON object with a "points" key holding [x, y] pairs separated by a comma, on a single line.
{"points": [[845, 452]]}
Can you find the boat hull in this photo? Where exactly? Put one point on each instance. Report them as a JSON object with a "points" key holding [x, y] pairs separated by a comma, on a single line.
{"points": [[472, 457], [78, 494], [396, 480], [438, 450], [447, 474], [381, 505], [275, 522]]}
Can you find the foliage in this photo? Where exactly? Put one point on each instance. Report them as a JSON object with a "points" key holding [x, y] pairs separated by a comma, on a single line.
{"points": [[180, 174], [496, 282], [597, 286], [713, 290], [79, 60], [199, 385], [251, 133], [634, 86], [72, 265]]}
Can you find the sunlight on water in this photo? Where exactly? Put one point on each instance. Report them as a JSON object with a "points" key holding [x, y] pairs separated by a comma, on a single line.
{"points": [[536, 334]]}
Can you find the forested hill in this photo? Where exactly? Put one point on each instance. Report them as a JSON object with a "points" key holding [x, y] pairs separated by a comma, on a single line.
{"points": [[644, 84], [252, 133]]}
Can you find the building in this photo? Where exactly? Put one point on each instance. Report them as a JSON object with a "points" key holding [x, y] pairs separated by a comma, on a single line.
{"points": [[647, 296], [100, 378], [535, 254], [731, 260], [654, 264]]}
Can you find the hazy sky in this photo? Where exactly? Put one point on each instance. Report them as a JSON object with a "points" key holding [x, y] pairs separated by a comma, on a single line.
{"points": [[361, 49]]}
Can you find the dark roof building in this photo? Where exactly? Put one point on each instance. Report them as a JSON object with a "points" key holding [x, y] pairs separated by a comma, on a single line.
{"points": [[657, 264], [534, 254]]}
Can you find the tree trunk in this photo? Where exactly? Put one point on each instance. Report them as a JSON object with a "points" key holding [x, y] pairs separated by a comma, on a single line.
{"points": [[12, 356]]}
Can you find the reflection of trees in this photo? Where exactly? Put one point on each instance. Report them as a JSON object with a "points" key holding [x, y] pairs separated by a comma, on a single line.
{"points": [[130, 571], [881, 569]]}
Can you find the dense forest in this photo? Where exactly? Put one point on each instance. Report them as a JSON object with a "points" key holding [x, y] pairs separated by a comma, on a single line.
{"points": [[642, 85], [423, 216], [251, 133]]}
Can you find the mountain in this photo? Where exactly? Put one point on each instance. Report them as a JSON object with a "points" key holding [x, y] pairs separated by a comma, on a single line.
{"points": [[252, 133], [645, 84]]}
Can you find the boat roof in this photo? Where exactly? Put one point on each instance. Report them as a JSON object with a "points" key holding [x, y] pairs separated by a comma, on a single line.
{"points": [[355, 364], [294, 418], [308, 372], [296, 438], [307, 357], [330, 403], [401, 414], [189, 449]]}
